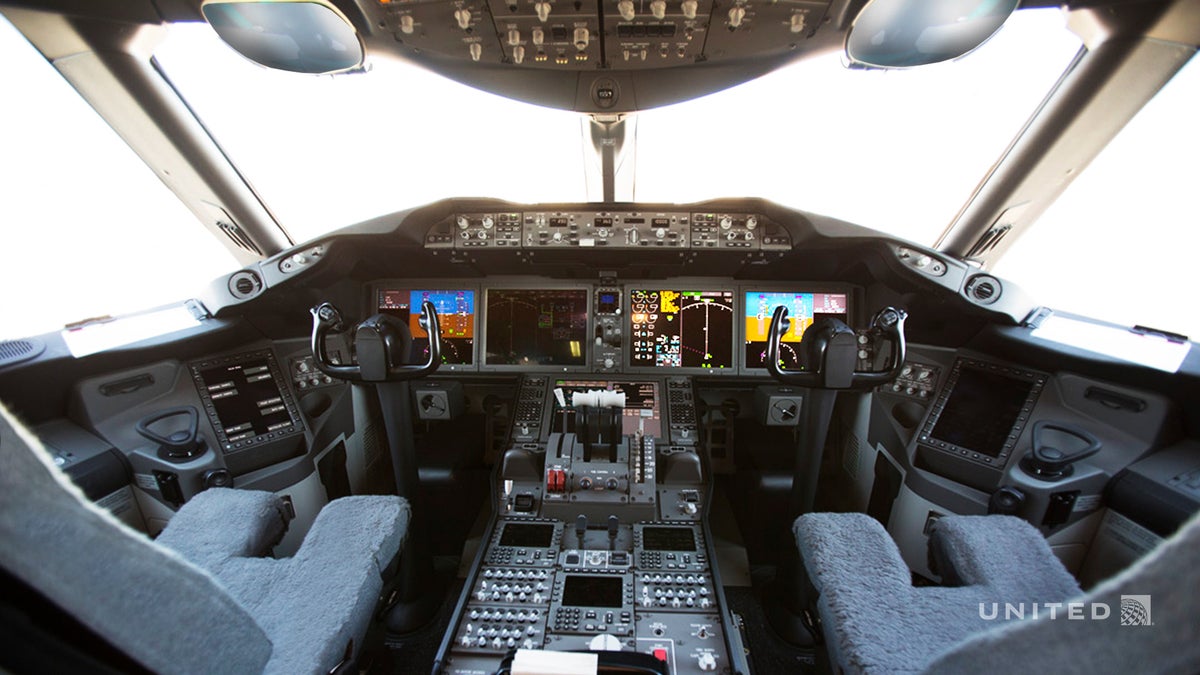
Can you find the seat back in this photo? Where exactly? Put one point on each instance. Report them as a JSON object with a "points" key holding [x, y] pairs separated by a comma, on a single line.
{"points": [[1145, 620], [163, 612]]}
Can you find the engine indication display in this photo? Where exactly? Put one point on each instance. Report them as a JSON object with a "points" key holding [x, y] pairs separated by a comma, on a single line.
{"points": [[456, 317], [804, 308], [536, 327], [681, 329]]}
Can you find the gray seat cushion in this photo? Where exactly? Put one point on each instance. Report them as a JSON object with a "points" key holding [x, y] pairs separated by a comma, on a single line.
{"points": [[162, 611], [1169, 575], [876, 621], [314, 604]]}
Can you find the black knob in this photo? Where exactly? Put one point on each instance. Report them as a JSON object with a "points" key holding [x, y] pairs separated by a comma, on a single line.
{"points": [[217, 478], [1006, 501]]}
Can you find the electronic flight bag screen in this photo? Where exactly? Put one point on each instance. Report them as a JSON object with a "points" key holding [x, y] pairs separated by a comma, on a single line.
{"points": [[536, 327], [803, 307], [456, 317], [681, 329]]}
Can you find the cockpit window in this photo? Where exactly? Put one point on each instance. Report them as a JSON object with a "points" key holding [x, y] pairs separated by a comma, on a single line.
{"points": [[89, 229], [897, 151], [324, 152], [1115, 245]]}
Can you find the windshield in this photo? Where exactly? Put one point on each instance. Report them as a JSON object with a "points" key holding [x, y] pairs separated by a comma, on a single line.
{"points": [[812, 136]]}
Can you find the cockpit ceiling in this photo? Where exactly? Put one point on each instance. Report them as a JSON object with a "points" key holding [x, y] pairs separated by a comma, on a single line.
{"points": [[595, 56]]}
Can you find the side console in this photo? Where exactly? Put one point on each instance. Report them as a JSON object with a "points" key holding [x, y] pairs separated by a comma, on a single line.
{"points": [[590, 548]]}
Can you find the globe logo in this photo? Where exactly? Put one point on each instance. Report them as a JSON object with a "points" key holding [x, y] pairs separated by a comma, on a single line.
{"points": [[1135, 610]]}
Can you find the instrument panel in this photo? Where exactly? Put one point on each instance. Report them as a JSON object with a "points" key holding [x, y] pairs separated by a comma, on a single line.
{"points": [[683, 326]]}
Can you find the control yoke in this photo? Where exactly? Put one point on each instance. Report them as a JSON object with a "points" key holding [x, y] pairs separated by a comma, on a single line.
{"points": [[830, 349], [381, 343]]}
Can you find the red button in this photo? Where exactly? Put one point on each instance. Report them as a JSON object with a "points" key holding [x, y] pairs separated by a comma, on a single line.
{"points": [[660, 654]]}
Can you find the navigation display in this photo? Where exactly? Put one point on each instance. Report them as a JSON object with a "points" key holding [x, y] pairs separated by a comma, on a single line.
{"points": [[681, 329], [247, 401], [803, 310], [536, 327], [456, 317]]}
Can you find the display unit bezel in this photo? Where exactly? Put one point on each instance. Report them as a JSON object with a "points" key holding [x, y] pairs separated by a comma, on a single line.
{"points": [[852, 303], [507, 284], [1037, 381], [682, 284], [196, 368], [435, 285]]}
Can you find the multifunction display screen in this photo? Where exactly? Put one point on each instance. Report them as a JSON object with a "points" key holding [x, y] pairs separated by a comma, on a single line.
{"points": [[668, 539], [589, 591], [536, 327], [456, 317], [982, 410], [681, 329], [804, 309], [247, 401], [527, 535]]}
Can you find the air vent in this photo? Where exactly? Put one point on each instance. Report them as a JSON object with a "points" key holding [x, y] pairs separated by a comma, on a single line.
{"points": [[16, 351], [984, 289], [245, 285]]}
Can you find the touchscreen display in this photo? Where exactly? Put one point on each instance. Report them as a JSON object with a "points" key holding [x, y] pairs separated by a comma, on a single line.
{"points": [[456, 317], [982, 410], [803, 309], [246, 399], [681, 329], [536, 327]]}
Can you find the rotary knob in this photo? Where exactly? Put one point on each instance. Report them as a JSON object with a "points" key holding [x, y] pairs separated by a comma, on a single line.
{"points": [[488, 222], [463, 222], [726, 222]]}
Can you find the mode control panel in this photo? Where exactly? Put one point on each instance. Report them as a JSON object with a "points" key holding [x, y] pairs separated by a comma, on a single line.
{"points": [[611, 230], [487, 230], [557, 229], [725, 230]]}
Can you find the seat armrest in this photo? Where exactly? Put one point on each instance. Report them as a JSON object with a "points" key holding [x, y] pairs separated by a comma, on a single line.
{"points": [[1003, 552], [222, 523], [352, 527], [840, 548]]}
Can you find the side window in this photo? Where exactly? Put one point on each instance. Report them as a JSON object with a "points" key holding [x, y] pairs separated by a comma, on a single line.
{"points": [[1121, 243], [89, 229]]}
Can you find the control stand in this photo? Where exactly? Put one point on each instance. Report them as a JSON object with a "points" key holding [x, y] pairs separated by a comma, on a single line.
{"points": [[589, 548]]}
